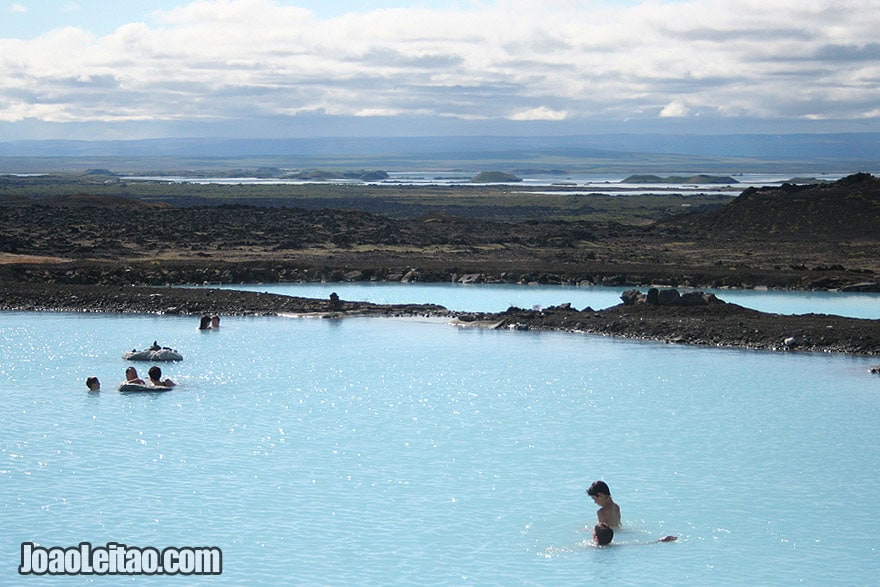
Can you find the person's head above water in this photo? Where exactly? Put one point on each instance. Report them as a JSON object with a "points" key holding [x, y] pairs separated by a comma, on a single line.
{"points": [[602, 534], [598, 488]]}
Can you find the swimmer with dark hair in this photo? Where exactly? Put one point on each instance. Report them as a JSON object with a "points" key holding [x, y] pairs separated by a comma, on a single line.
{"points": [[602, 534], [608, 512], [155, 374], [131, 377]]}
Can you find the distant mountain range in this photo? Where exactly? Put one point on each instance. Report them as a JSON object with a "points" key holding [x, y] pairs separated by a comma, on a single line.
{"points": [[839, 152]]}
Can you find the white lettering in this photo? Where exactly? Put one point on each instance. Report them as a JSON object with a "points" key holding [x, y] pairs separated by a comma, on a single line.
{"points": [[27, 555], [114, 558], [72, 560], [100, 560], [56, 561], [85, 558], [150, 561], [133, 561]]}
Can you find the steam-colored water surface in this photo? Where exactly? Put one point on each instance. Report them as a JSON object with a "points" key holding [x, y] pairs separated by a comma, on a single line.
{"points": [[409, 452]]}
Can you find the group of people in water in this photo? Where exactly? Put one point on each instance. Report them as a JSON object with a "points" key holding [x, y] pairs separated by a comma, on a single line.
{"points": [[608, 515], [209, 322], [154, 375]]}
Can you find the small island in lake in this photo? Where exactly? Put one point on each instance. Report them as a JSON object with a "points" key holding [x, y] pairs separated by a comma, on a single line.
{"points": [[494, 177]]}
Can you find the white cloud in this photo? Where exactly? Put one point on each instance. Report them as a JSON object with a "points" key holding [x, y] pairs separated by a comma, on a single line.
{"points": [[18, 8], [674, 109], [371, 112], [592, 60], [539, 113]]}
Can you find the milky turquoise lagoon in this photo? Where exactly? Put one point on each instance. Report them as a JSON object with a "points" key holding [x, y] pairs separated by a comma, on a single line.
{"points": [[376, 451], [497, 298]]}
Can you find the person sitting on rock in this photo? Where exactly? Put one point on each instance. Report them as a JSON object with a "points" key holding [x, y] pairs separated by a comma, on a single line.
{"points": [[156, 378], [131, 377]]}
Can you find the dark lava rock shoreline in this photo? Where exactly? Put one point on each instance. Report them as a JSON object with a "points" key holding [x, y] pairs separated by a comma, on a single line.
{"points": [[719, 324], [715, 323], [30, 296]]}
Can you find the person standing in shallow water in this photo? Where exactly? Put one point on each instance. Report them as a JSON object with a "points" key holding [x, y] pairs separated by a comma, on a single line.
{"points": [[608, 512]]}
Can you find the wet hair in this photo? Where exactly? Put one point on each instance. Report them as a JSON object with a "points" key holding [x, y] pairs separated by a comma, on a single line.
{"points": [[155, 372], [205, 323], [598, 487], [92, 381], [604, 534]]}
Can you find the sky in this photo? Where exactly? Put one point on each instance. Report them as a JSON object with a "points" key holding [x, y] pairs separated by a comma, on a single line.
{"points": [[106, 69]]}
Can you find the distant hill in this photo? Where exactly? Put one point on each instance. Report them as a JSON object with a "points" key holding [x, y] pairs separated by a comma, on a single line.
{"points": [[324, 175], [848, 209], [494, 177]]}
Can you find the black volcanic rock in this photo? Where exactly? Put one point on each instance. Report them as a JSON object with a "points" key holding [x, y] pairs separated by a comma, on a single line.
{"points": [[848, 209]]}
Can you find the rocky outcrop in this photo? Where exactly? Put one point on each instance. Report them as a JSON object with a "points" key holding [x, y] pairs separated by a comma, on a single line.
{"points": [[845, 210], [712, 323], [668, 297]]}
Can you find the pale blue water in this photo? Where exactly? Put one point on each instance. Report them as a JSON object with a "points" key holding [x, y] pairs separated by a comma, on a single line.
{"points": [[406, 452], [497, 298], [589, 184]]}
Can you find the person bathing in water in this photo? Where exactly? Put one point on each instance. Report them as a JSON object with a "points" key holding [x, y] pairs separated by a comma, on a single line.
{"points": [[603, 535], [155, 374], [131, 377], [608, 512]]}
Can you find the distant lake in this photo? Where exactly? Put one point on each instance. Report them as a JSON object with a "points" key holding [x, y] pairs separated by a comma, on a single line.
{"points": [[577, 184]]}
